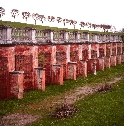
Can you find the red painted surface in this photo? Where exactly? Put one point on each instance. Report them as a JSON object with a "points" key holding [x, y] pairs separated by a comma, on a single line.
{"points": [[94, 50], [118, 59], [113, 61], [62, 57], [39, 75], [85, 52], [57, 74], [4, 79], [101, 63], [74, 56], [71, 71], [107, 61], [16, 83], [46, 51], [83, 68], [72, 60], [108, 49]]}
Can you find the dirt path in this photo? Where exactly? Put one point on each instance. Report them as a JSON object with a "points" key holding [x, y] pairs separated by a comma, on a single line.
{"points": [[69, 98], [82, 92]]}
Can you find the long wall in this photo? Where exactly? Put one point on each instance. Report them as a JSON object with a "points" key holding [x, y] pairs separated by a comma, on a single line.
{"points": [[31, 59]]}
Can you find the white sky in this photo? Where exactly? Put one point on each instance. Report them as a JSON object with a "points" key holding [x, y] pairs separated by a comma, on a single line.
{"points": [[94, 11]]}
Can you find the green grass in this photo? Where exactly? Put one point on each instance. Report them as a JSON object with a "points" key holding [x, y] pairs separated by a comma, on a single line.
{"points": [[53, 92], [101, 109]]}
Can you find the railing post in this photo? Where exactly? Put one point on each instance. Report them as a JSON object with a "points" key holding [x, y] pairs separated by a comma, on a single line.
{"points": [[31, 34], [87, 36], [66, 37], [49, 35], [5, 34]]}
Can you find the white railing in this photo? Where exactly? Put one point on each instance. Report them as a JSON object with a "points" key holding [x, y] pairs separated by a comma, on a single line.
{"points": [[30, 35]]}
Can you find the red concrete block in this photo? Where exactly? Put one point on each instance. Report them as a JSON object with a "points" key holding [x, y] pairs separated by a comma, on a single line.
{"points": [[94, 50], [4, 78], [108, 49], [118, 59], [63, 57], [86, 51], [49, 54], [71, 70], [93, 65], [102, 49], [107, 61], [101, 63], [57, 74], [113, 60], [83, 68], [16, 84], [39, 78]]}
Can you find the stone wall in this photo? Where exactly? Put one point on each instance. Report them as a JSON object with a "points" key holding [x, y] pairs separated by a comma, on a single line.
{"points": [[32, 64]]}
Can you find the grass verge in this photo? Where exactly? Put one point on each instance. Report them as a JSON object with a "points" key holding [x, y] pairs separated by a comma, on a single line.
{"points": [[54, 91], [100, 109]]}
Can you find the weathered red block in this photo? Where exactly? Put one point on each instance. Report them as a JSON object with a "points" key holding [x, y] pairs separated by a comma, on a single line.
{"points": [[16, 84], [39, 74], [94, 50], [48, 53], [57, 74], [6, 64], [63, 57], [26, 58], [108, 49], [76, 56], [71, 70], [113, 60], [83, 68], [91, 66], [107, 61], [102, 49], [101, 63], [86, 51], [118, 59]]}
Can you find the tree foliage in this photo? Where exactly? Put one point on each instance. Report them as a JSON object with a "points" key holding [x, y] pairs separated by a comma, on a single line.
{"points": [[2, 11]]}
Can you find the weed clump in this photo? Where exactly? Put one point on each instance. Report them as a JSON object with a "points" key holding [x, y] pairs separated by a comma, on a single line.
{"points": [[105, 88], [64, 111]]}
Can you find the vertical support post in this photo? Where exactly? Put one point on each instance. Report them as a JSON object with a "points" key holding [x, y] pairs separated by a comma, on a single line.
{"points": [[107, 62], [71, 70], [80, 52], [93, 66], [89, 51], [101, 63], [83, 69], [53, 55], [57, 74], [16, 84], [40, 78], [113, 60]]}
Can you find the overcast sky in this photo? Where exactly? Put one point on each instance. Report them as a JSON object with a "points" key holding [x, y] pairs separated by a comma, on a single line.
{"points": [[95, 11]]}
